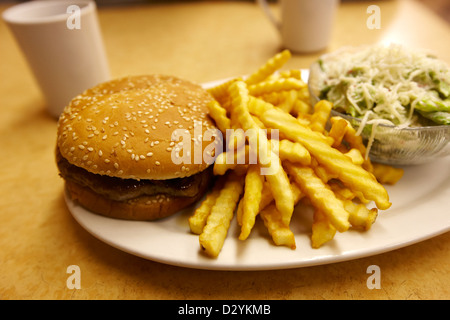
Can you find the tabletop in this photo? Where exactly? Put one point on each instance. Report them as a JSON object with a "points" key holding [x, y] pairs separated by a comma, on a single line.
{"points": [[201, 41]]}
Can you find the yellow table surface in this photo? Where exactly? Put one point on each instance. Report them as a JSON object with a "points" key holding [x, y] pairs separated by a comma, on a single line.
{"points": [[200, 41]]}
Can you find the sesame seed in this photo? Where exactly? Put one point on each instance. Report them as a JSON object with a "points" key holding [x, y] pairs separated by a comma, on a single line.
{"points": [[100, 153], [157, 163], [116, 165], [81, 146], [105, 136], [142, 156], [107, 161], [149, 154]]}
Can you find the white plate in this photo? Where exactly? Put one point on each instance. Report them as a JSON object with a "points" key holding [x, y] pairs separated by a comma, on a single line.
{"points": [[419, 211]]}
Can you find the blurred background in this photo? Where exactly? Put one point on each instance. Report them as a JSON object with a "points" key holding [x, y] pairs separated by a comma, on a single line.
{"points": [[440, 7]]}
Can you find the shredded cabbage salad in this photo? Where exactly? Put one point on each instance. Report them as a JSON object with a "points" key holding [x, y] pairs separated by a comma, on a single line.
{"points": [[389, 85]]}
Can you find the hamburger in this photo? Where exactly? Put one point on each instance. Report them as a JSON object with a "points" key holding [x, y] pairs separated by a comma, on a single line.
{"points": [[115, 149]]}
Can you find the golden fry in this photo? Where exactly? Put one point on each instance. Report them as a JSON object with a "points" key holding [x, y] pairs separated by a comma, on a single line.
{"points": [[320, 116], [322, 230], [355, 156], [219, 114], [252, 198], [281, 188], [337, 130], [280, 233], [361, 217], [293, 151], [220, 92], [272, 65], [354, 176], [198, 219], [386, 174], [280, 151], [282, 84], [215, 231], [320, 195]]}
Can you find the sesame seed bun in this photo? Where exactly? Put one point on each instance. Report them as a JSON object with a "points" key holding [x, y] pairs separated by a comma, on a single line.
{"points": [[123, 129]]}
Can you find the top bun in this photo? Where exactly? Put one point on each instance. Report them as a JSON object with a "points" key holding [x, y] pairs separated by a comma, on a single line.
{"points": [[123, 128]]}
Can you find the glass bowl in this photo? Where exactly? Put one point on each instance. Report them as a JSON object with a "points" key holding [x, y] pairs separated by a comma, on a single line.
{"points": [[393, 145]]}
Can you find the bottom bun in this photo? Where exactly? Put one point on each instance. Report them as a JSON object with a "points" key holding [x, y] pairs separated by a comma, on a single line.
{"points": [[141, 208]]}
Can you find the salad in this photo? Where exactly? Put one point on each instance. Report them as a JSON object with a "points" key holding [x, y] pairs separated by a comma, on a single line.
{"points": [[391, 85]]}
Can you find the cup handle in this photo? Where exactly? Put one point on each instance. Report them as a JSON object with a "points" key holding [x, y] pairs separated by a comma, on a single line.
{"points": [[265, 7]]}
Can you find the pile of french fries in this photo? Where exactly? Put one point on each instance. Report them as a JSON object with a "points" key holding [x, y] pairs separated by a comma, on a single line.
{"points": [[300, 155]]}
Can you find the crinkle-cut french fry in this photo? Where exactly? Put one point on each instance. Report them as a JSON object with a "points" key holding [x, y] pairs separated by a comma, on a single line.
{"points": [[220, 92], [274, 98], [281, 234], [198, 219], [292, 151], [300, 107], [288, 101], [252, 197], [353, 176], [235, 139], [294, 73], [215, 231], [267, 197], [269, 161], [320, 115], [340, 190], [282, 84], [232, 160], [257, 106], [337, 130], [355, 141], [258, 122], [240, 211], [322, 230], [282, 120], [219, 115], [272, 65], [386, 174], [355, 156], [320, 195], [239, 102], [324, 174], [361, 217], [281, 188]]}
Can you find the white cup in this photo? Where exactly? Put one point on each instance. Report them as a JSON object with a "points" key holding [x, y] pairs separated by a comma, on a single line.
{"points": [[62, 43], [304, 25]]}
